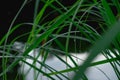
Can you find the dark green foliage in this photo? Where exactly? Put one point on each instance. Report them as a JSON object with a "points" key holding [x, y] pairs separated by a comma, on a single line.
{"points": [[71, 26]]}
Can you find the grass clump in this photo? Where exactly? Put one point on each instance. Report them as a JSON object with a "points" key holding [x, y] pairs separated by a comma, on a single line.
{"points": [[65, 29]]}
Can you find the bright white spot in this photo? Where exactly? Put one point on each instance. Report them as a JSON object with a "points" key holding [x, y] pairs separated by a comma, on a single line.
{"points": [[93, 73], [99, 72]]}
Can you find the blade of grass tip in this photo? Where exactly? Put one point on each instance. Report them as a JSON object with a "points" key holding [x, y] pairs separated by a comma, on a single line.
{"points": [[59, 21], [97, 48], [37, 19], [109, 14]]}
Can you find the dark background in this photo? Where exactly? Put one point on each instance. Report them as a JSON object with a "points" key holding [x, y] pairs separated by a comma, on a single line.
{"points": [[8, 11]]}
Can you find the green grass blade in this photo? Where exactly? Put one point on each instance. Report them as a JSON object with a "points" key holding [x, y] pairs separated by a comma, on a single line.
{"points": [[110, 17], [98, 47]]}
